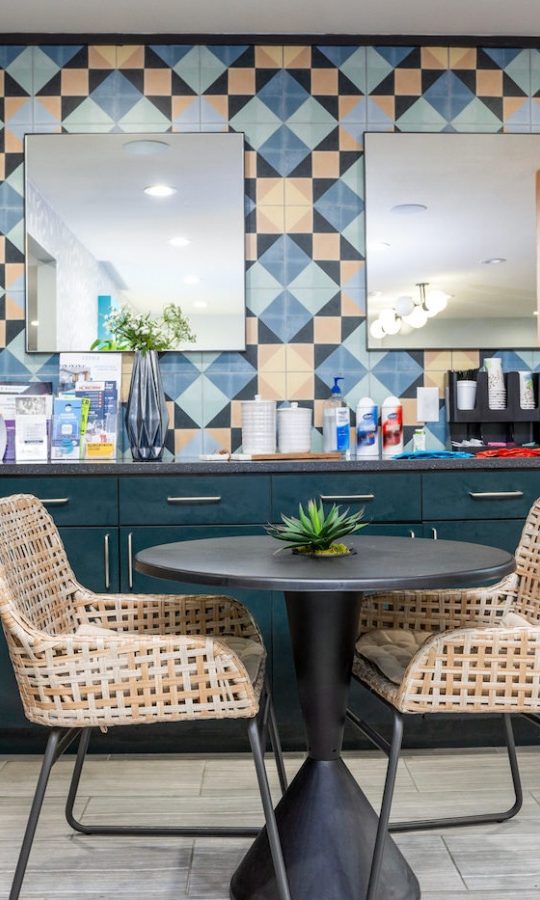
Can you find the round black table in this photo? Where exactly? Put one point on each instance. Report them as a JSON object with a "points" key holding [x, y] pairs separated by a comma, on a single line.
{"points": [[326, 824]]}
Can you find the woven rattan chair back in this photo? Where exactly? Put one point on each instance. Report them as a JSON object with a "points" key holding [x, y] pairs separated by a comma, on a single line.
{"points": [[37, 583], [528, 566]]}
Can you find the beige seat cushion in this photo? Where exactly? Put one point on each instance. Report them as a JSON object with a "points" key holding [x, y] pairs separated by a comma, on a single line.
{"points": [[514, 620], [390, 650], [248, 651]]}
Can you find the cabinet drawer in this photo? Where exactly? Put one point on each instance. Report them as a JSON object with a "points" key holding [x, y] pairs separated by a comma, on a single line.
{"points": [[479, 495], [386, 498], [194, 500], [70, 500]]}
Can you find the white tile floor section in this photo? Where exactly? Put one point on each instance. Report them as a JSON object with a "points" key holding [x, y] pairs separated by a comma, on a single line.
{"points": [[495, 862]]}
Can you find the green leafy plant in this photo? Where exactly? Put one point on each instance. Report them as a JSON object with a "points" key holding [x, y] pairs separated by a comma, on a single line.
{"points": [[316, 532], [144, 332]]}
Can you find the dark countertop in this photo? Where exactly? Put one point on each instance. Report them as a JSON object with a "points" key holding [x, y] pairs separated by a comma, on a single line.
{"points": [[204, 467]]}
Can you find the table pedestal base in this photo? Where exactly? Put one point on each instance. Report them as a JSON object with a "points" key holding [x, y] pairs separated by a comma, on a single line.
{"points": [[327, 829]]}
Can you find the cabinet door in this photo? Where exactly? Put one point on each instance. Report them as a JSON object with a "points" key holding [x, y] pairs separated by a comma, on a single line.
{"points": [[11, 710], [132, 540], [502, 533], [93, 556]]}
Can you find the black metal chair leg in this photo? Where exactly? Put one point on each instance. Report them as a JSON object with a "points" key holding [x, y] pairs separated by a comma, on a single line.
{"points": [[140, 830], [386, 806], [49, 759], [480, 818], [75, 779], [271, 825], [276, 744]]}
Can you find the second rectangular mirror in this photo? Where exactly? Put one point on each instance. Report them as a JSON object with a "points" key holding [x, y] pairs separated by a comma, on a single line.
{"points": [[451, 240]]}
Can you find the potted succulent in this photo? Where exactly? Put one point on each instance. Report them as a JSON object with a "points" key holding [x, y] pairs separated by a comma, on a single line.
{"points": [[316, 533]]}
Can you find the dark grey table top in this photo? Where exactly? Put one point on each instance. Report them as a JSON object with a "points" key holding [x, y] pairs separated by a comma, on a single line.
{"points": [[379, 563]]}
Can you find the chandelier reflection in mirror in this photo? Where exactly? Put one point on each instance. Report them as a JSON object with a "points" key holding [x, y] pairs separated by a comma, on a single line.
{"points": [[408, 313]]}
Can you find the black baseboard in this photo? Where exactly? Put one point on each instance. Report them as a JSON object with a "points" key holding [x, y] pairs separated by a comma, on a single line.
{"points": [[429, 732]]}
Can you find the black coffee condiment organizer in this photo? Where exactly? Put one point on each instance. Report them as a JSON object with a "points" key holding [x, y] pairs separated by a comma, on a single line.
{"points": [[509, 425]]}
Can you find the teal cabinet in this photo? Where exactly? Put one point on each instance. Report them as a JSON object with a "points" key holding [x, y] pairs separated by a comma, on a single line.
{"points": [[106, 519]]}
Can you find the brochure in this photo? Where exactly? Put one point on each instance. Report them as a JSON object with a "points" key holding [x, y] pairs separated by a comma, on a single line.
{"points": [[96, 378], [9, 391], [66, 428], [31, 438]]}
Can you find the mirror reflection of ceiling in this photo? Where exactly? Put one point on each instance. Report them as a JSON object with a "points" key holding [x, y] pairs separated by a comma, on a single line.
{"points": [[457, 213], [186, 248]]}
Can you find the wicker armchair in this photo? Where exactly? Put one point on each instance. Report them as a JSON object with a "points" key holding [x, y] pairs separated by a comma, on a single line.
{"points": [[83, 660], [464, 651]]}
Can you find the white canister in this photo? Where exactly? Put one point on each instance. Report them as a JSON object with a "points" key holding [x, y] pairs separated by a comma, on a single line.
{"points": [[258, 425], [294, 429]]}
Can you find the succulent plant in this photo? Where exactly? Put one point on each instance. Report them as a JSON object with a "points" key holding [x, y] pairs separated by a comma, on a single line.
{"points": [[316, 532]]}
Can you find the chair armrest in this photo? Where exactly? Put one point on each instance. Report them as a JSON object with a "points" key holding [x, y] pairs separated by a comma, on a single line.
{"points": [[438, 610], [191, 614], [490, 668], [105, 680]]}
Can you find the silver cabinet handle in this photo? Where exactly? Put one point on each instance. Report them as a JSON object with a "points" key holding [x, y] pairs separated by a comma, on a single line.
{"points": [[106, 561], [130, 559], [54, 501], [434, 534], [412, 533], [174, 500], [349, 498], [495, 495]]}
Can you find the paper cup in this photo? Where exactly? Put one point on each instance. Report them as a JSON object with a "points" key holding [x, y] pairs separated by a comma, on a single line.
{"points": [[466, 394]]}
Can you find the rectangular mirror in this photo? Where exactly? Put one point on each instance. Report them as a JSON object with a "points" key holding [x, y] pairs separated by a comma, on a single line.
{"points": [[451, 240], [99, 237]]}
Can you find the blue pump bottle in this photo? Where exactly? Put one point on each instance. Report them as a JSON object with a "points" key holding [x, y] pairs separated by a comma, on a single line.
{"points": [[336, 420]]}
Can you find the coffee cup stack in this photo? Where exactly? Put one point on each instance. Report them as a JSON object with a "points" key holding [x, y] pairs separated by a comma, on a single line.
{"points": [[496, 385], [526, 390]]}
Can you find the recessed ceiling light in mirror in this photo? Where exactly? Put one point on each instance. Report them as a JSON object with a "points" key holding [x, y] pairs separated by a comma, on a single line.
{"points": [[191, 279], [200, 304], [159, 190], [494, 261], [179, 242], [145, 148], [408, 209]]}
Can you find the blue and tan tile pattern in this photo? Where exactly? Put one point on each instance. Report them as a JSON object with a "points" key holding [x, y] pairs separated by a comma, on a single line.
{"points": [[304, 111]]}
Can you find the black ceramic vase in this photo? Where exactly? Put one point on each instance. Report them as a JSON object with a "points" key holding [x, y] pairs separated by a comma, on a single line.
{"points": [[146, 411]]}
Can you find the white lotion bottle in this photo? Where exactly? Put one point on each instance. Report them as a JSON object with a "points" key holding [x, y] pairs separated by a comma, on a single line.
{"points": [[367, 429]]}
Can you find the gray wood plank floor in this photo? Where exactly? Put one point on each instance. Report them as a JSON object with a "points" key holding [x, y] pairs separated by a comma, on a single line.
{"points": [[495, 862]]}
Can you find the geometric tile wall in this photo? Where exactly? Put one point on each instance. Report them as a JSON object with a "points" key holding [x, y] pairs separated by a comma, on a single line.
{"points": [[304, 111]]}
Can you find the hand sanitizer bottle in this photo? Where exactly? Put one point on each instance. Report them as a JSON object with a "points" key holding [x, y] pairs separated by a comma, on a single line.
{"points": [[336, 421]]}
